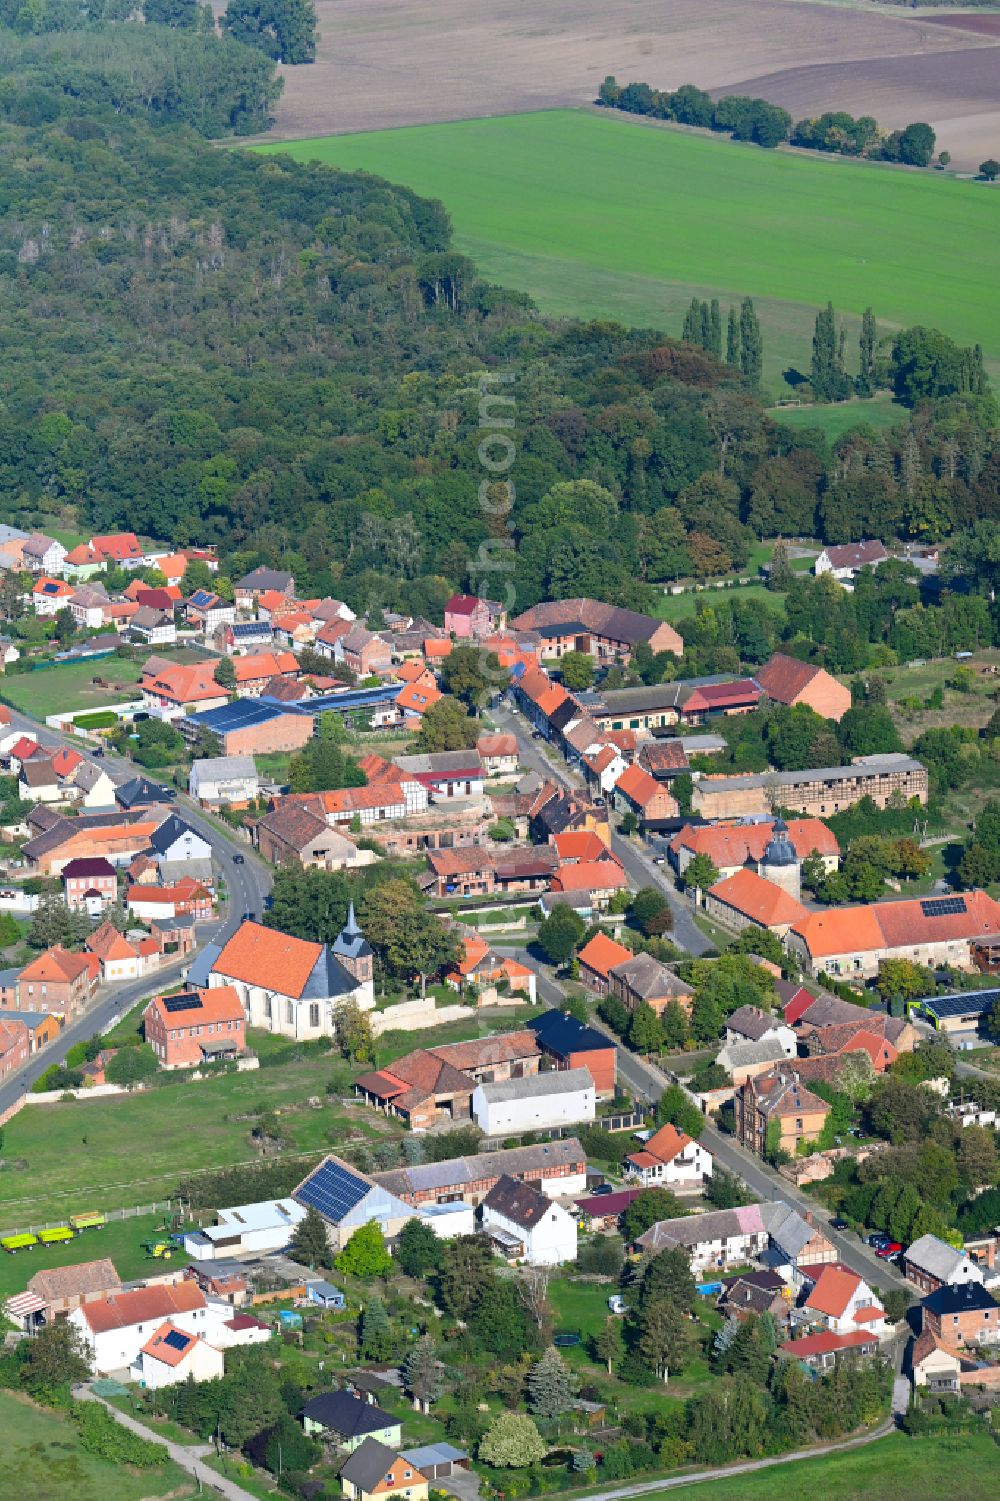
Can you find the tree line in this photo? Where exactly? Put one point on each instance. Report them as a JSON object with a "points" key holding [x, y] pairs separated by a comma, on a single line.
{"points": [[766, 124]]}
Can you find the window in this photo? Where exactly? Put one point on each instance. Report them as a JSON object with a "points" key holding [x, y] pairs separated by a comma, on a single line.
{"points": [[289, 1013], [314, 1014]]}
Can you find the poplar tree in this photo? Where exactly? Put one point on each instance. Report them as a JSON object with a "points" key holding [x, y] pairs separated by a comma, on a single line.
{"points": [[733, 339], [751, 344], [865, 383], [715, 329]]}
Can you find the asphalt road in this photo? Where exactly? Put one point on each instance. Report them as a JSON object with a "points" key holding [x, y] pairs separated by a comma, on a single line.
{"points": [[640, 867], [647, 1082], [248, 885]]}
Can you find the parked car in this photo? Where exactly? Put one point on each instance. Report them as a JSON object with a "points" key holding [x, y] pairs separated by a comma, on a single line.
{"points": [[877, 1240], [249, 917], [238, 860], [603, 1188], [838, 1224], [889, 1250]]}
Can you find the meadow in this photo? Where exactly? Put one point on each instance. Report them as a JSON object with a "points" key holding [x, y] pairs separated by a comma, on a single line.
{"points": [[603, 217], [920, 1469], [57, 690], [42, 1457]]}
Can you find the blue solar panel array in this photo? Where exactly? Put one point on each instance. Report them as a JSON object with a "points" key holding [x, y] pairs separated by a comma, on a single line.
{"points": [[176, 1340], [333, 1191], [972, 1003], [943, 906]]}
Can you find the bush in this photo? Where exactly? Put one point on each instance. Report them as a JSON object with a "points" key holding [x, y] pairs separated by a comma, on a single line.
{"points": [[100, 1434]]}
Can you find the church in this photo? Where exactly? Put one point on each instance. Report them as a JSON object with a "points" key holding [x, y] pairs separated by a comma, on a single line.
{"points": [[292, 987]]}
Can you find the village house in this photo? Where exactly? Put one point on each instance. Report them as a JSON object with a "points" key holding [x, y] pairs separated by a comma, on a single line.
{"points": [[171, 1355], [351, 1420], [526, 1226], [498, 755], [232, 780], [598, 958], [467, 616], [777, 1099], [846, 562], [643, 980], [49, 596], [819, 1352], [114, 1329], [42, 554], [930, 1263], [170, 690], [670, 1159], [962, 1315], [42, 1026], [81, 563], [752, 1024], [572, 1044], [15, 1045], [843, 1302], [258, 582], [118, 958], [786, 680], [87, 605], [374, 1470], [186, 897], [479, 966], [604, 631], [938, 932], [291, 834], [254, 672], [152, 627], [119, 549], [747, 1060], [207, 611], [649, 800], [721, 1238], [65, 1288], [58, 982], [90, 885], [195, 1027], [243, 636]]}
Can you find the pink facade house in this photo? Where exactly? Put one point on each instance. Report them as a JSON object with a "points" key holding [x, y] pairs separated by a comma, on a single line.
{"points": [[467, 616]]}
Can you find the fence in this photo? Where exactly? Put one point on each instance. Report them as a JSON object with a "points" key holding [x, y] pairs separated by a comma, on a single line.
{"points": [[110, 1215]]}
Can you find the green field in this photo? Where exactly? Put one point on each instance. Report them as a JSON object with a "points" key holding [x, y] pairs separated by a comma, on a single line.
{"points": [[41, 1457], [893, 1468], [834, 420], [128, 1150], [57, 690], [121, 1241], [598, 216]]}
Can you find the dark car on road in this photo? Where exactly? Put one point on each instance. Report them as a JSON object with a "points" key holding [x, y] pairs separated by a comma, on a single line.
{"points": [[838, 1224], [238, 860], [249, 917]]}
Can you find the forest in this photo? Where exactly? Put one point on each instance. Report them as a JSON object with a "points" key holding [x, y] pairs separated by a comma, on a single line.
{"points": [[290, 362]]}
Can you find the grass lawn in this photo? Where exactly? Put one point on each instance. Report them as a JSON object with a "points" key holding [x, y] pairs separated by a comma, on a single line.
{"points": [[121, 1240], [57, 690], [110, 1153], [837, 418], [920, 1469], [916, 682], [604, 217], [41, 1457], [674, 607]]}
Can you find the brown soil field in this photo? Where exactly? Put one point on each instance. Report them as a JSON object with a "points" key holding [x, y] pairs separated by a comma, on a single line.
{"points": [[984, 25], [385, 63]]}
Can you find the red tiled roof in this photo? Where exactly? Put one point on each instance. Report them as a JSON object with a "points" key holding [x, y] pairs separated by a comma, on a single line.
{"points": [[824, 1344], [220, 1003], [590, 875], [264, 956], [784, 678], [753, 897], [173, 1349], [729, 846], [602, 954], [833, 1291], [638, 786], [142, 1305]]}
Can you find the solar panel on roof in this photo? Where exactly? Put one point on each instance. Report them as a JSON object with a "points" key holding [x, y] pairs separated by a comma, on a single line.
{"points": [[333, 1191], [187, 1002], [176, 1340], [972, 1003], [943, 906]]}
